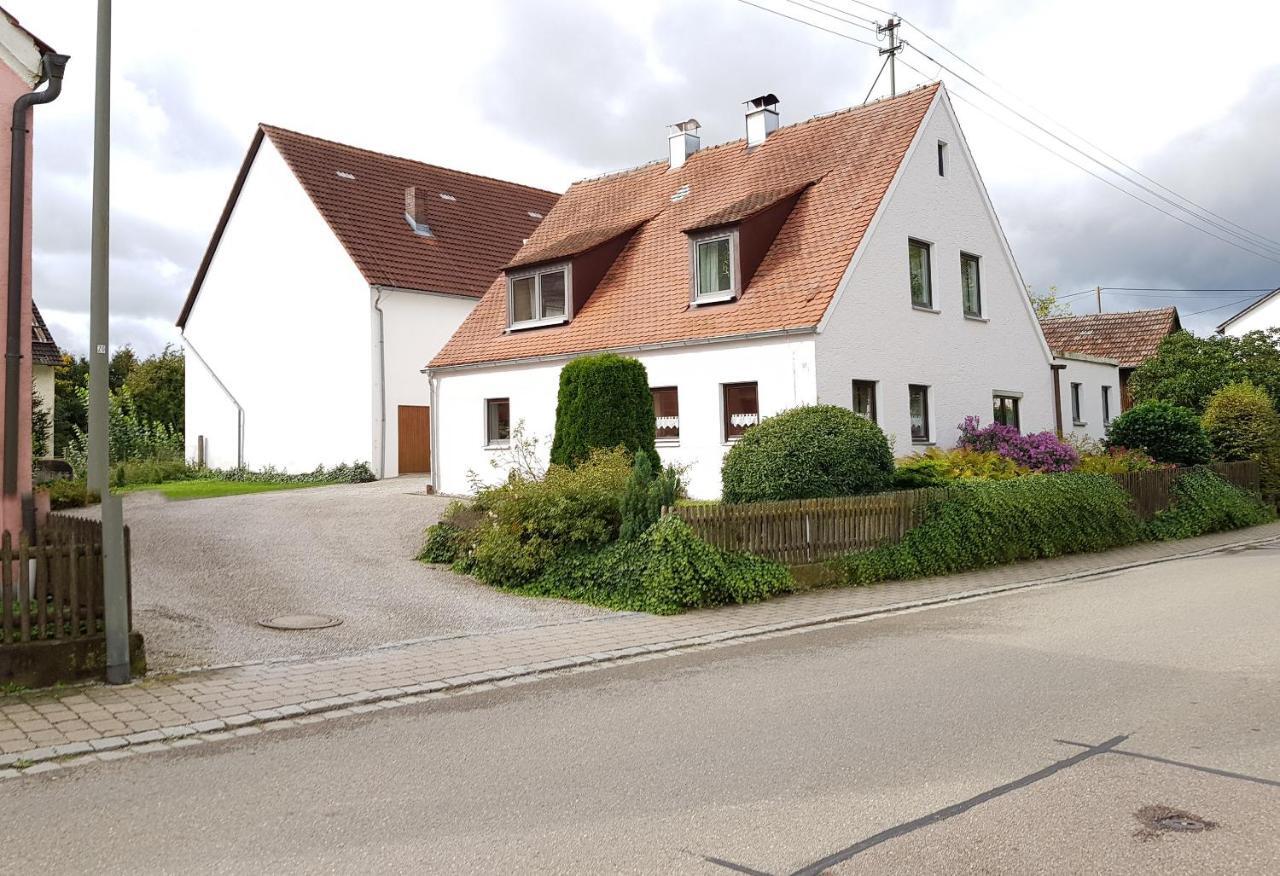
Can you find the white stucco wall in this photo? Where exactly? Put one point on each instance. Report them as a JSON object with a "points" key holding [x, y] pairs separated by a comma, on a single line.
{"points": [[873, 332], [1265, 316], [416, 326], [283, 318], [1092, 374], [42, 378], [782, 368]]}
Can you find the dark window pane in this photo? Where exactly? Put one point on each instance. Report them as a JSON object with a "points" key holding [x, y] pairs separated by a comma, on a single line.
{"points": [[1106, 405], [1075, 403], [666, 412], [497, 421], [972, 283], [1006, 411], [921, 282], [864, 399], [741, 408], [522, 291], [919, 409], [552, 287]]}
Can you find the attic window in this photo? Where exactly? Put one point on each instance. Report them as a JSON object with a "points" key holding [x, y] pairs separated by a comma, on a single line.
{"points": [[342, 174], [539, 296], [715, 266], [533, 215], [942, 158], [421, 229], [447, 197]]}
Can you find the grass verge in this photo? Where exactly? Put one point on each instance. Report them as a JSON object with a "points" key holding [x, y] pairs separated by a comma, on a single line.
{"points": [[211, 489]]}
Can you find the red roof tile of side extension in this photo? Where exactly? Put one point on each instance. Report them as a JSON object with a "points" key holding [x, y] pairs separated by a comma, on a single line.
{"points": [[1130, 338], [44, 349], [844, 163], [474, 231]]}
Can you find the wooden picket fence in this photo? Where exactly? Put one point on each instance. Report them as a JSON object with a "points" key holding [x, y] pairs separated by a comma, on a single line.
{"points": [[53, 588], [812, 530]]}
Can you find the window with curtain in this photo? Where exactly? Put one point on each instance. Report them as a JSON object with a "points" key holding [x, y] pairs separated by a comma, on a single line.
{"points": [[1006, 410], [497, 418], [918, 407], [715, 273], [921, 281], [971, 283], [666, 413], [864, 399], [741, 409]]}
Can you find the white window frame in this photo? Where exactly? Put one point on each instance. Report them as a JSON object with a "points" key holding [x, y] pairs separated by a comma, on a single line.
{"points": [[735, 271], [1106, 405], [536, 272], [489, 442], [932, 305], [1077, 404], [670, 440]]}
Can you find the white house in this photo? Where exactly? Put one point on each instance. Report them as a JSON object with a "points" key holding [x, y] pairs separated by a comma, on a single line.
{"points": [[45, 359], [853, 259], [1262, 314], [332, 273], [1088, 392]]}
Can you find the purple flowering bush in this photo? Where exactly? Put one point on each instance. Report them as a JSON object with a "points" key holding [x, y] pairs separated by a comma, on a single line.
{"points": [[1039, 451]]}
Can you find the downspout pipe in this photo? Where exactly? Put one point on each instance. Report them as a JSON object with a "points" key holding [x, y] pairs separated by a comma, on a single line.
{"points": [[1057, 369], [222, 386], [52, 67], [382, 384]]}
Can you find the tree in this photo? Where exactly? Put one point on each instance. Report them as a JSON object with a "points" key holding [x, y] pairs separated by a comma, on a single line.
{"points": [[604, 402], [1047, 305], [69, 412], [157, 384], [39, 425], [1187, 370], [123, 361]]}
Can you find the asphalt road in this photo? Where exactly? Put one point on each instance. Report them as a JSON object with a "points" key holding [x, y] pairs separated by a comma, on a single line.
{"points": [[1018, 734], [205, 571]]}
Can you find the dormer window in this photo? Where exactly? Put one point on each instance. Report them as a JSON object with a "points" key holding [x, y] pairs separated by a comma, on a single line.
{"points": [[715, 266], [538, 297]]}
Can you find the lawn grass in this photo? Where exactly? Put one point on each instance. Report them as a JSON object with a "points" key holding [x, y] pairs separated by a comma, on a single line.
{"points": [[211, 489]]}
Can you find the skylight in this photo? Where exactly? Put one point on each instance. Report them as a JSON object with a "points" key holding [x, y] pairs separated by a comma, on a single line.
{"points": [[533, 215], [448, 197], [342, 174]]}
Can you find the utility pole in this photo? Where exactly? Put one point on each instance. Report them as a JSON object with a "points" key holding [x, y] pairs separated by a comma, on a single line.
{"points": [[1098, 292], [115, 598], [894, 48]]}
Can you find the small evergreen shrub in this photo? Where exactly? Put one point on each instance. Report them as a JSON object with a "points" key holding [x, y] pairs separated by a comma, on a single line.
{"points": [[1038, 451], [666, 570], [65, 494], [646, 494], [935, 467], [1167, 432], [603, 402], [808, 453], [1204, 503], [987, 523], [150, 471]]}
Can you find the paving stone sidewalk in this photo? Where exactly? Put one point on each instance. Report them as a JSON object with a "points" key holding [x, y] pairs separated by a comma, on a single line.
{"points": [[167, 710]]}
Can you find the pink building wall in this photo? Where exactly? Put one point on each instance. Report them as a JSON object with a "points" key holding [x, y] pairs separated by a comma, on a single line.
{"points": [[12, 87]]}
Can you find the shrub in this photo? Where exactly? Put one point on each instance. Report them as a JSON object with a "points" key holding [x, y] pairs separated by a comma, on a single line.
{"points": [[150, 472], [808, 453], [130, 435], [1241, 423], [1167, 432], [1187, 370], [604, 402], [665, 571], [1117, 460], [523, 524], [342, 473], [1202, 503], [936, 466], [1038, 451], [985, 523], [71, 494], [645, 496]]}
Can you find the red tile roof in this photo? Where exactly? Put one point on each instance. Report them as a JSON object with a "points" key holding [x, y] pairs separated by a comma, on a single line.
{"points": [[474, 232], [44, 350], [1130, 338], [850, 158]]}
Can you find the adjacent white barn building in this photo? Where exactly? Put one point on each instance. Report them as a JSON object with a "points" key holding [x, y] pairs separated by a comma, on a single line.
{"points": [[854, 259], [333, 274], [1261, 315]]}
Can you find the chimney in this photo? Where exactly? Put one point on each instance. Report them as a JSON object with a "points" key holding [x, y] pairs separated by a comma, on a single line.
{"points": [[762, 118], [684, 141], [415, 211]]}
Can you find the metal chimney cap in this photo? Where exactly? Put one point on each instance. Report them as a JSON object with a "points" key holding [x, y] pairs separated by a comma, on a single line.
{"points": [[688, 126], [764, 101]]}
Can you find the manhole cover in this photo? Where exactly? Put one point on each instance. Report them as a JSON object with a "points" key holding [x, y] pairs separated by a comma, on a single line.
{"points": [[300, 622]]}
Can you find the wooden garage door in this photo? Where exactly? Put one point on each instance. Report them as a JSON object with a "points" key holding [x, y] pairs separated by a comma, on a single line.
{"points": [[415, 439]]}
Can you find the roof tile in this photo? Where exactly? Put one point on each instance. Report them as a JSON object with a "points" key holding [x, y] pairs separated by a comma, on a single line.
{"points": [[1130, 338]]}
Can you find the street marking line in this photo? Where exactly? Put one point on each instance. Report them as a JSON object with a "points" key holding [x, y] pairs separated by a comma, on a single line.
{"points": [[1227, 774]]}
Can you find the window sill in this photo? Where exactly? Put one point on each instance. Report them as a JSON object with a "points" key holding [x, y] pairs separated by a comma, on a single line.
{"points": [[1078, 423], [713, 299], [537, 323], [975, 318], [504, 446], [923, 309], [925, 443], [666, 442]]}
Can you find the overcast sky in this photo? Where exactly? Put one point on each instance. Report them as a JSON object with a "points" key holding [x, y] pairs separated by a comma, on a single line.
{"points": [[548, 91]]}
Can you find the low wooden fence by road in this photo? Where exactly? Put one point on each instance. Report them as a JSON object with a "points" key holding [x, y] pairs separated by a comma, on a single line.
{"points": [[812, 530], [52, 589]]}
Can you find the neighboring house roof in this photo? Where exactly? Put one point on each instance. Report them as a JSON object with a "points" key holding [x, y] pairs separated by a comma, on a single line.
{"points": [[839, 168], [1130, 338], [361, 196], [1222, 327], [44, 349]]}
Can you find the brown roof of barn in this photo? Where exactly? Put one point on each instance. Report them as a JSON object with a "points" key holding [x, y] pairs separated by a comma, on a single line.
{"points": [[44, 350], [474, 231], [841, 165], [1130, 338]]}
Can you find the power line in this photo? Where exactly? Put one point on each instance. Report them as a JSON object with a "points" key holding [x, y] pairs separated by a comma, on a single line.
{"points": [[810, 23], [1221, 306], [861, 20], [1161, 289]]}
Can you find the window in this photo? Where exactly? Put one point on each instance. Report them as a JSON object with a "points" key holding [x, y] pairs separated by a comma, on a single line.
{"points": [[1106, 406], [942, 158], [919, 408], [497, 422], [864, 399], [921, 282], [741, 409], [666, 412], [538, 297], [971, 283], [1075, 405], [715, 271], [1005, 410]]}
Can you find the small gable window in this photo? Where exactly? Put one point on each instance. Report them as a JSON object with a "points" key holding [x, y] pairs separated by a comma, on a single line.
{"points": [[538, 297], [715, 267], [942, 158]]}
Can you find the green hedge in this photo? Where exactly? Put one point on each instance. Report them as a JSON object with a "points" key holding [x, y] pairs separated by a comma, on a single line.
{"points": [[603, 402], [1203, 503], [813, 452], [1167, 432], [986, 523], [667, 570]]}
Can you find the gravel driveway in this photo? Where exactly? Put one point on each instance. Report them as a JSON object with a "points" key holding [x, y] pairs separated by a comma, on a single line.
{"points": [[206, 570]]}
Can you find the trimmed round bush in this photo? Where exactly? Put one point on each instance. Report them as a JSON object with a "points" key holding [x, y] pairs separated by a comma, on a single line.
{"points": [[808, 453], [1167, 432], [1241, 422], [604, 402]]}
